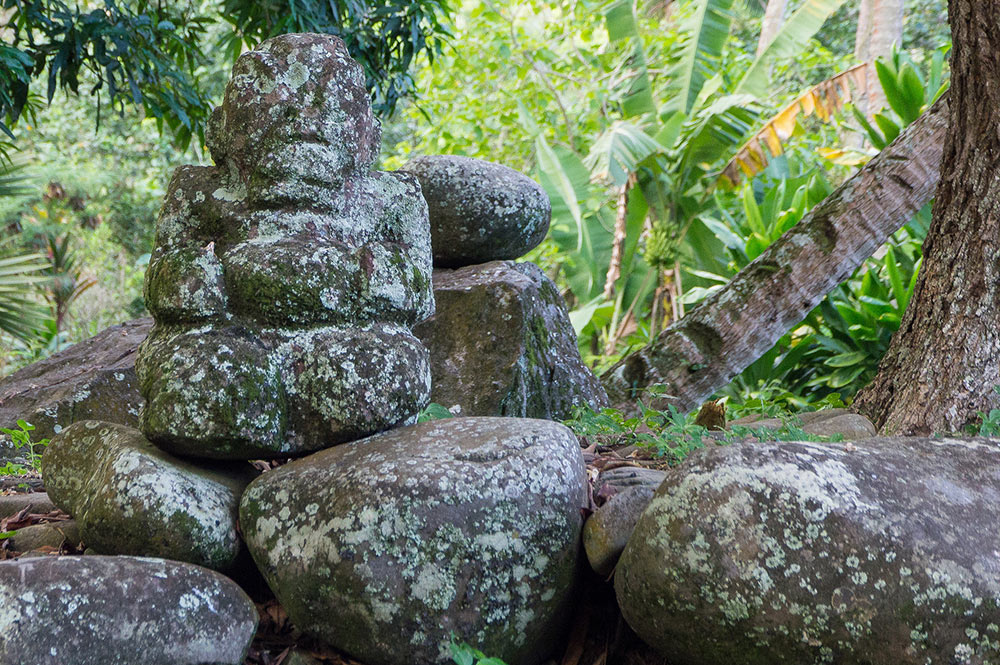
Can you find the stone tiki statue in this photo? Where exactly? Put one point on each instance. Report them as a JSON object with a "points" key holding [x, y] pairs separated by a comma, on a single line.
{"points": [[285, 279]]}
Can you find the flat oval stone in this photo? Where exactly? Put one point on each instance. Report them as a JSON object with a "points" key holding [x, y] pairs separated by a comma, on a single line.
{"points": [[480, 211], [102, 610]]}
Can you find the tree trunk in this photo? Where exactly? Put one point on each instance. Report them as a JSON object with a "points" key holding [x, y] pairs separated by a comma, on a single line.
{"points": [[774, 18], [864, 33], [734, 326], [880, 25], [944, 361], [886, 28]]}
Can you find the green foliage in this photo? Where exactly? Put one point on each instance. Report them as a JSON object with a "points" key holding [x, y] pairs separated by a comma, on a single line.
{"points": [[674, 435], [21, 438], [20, 274], [383, 35], [66, 281], [434, 411], [141, 52], [671, 140], [989, 422], [670, 433], [513, 71], [908, 90], [837, 348], [793, 38], [151, 54], [463, 654]]}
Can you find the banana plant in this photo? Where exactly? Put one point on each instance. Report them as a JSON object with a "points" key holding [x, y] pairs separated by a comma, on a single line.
{"points": [[666, 141]]}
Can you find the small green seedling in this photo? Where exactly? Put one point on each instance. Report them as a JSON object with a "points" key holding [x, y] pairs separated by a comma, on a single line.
{"points": [[990, 425], [673, 435], [21, 438], [463, 654], [434, 411]]}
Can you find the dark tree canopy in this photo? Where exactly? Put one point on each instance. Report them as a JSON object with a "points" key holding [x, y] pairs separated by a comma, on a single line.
{"points": [[149, 52]]}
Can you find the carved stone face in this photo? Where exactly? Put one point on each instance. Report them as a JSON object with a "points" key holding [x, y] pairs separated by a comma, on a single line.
{"points": [[295, 113]]}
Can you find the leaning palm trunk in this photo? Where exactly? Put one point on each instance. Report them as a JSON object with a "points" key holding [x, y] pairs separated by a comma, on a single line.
{"points": [[732, 328]]}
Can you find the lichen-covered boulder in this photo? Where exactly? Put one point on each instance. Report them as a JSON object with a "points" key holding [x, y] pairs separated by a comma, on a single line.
{"points": [[129, 497], [502, 344], [480, 211], [383, 547], [285, 279], [102, 610], [882, 551], [94, 378]]}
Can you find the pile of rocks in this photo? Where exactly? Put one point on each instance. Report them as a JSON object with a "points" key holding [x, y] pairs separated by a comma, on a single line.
{"points": [[284, 284], [501, 341]]}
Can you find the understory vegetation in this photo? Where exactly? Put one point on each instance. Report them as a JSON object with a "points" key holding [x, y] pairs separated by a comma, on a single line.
{"points": [[672, 153]]}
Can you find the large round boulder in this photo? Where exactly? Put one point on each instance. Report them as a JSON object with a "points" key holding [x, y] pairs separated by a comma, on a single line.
{"points": [[386, 546], [480, 211], [884, 551], [102, 610]]}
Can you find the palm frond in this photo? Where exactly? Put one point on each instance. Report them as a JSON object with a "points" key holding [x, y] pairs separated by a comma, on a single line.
{"points": [[620, 18], [619, 150], [822, 100]]}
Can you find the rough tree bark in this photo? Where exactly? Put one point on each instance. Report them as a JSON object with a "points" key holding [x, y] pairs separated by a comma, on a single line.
{"points": [[774, 18], [944, 361], [729, 330]]}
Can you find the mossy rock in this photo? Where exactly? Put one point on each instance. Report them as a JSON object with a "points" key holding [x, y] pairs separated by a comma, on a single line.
{"points": [[129, 497], [211, 392], [185, 285], [480, 211], [880, 551], [100, 610], [383, 547], [296, 119], [94, 378], [301, 280], [502, 344]]}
